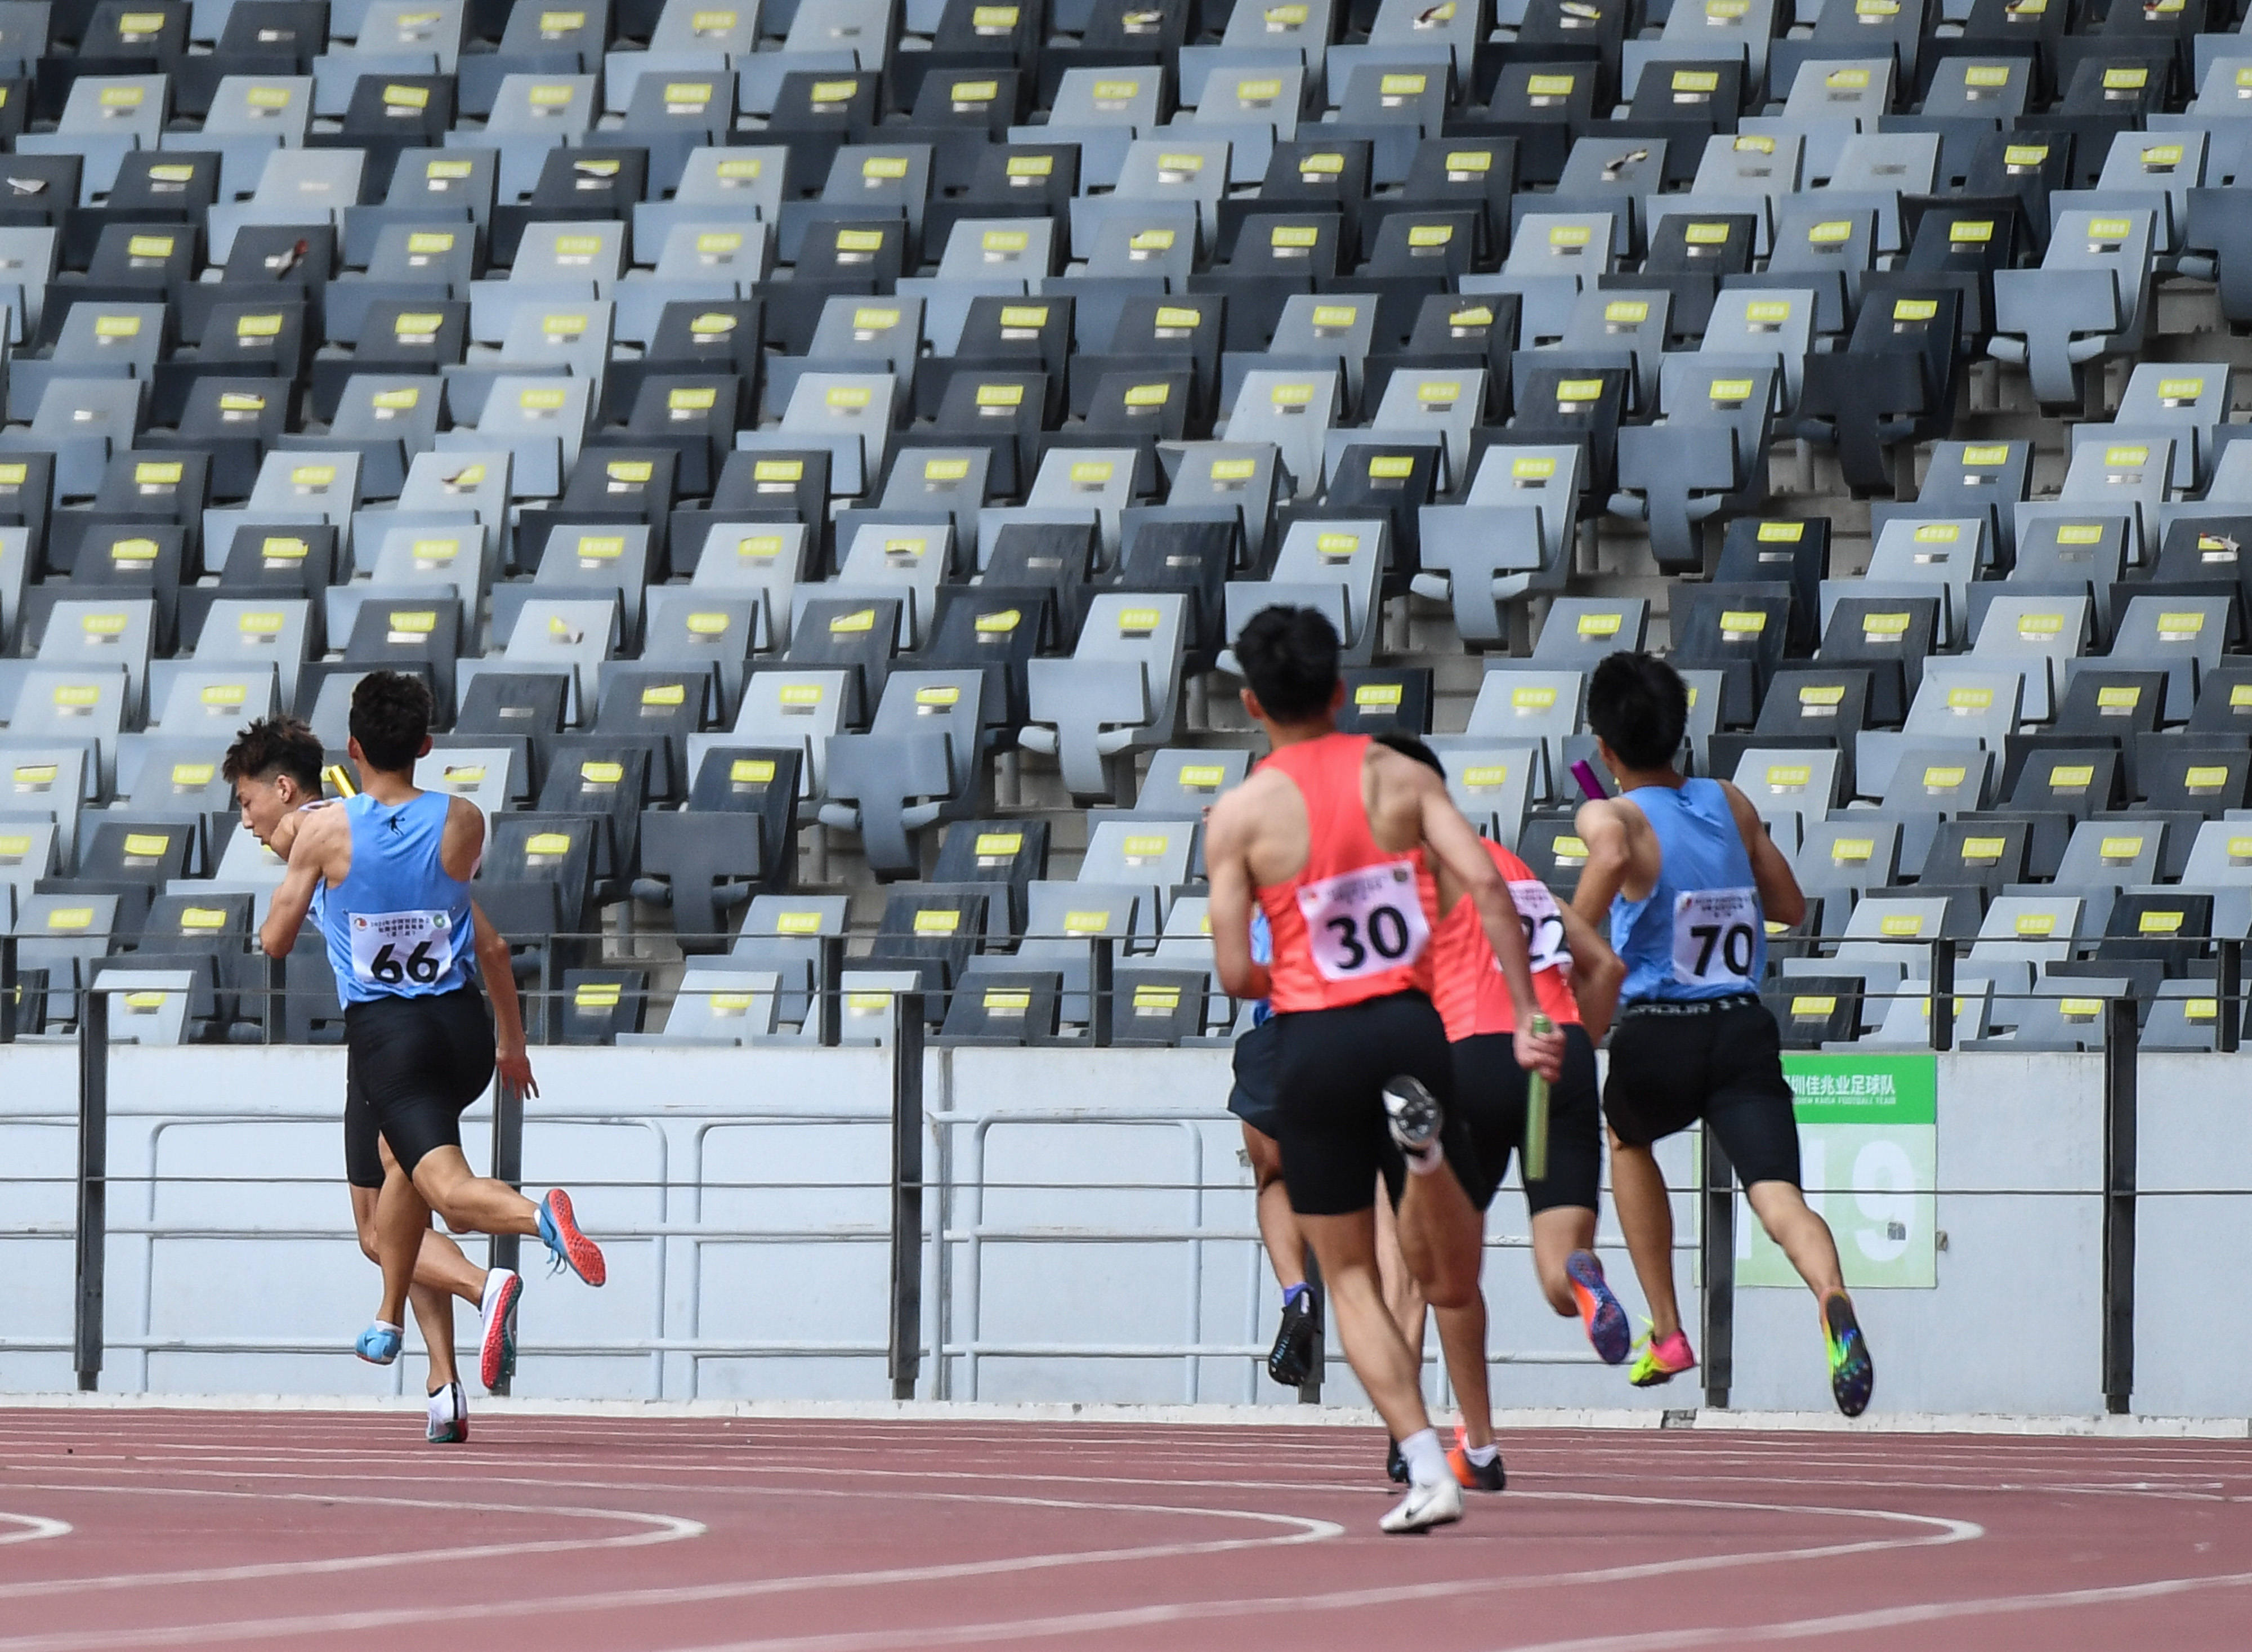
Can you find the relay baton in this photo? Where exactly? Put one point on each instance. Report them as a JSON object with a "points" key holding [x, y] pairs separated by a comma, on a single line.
{"points": [[1592, 788], [1536, 1113]]}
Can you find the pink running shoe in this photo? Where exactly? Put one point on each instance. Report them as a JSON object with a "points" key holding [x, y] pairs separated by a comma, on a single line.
{"points": [[1662, 1359]]}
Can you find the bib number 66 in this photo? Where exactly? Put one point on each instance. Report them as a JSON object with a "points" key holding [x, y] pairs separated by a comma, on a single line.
{"points": [[417, 967]]}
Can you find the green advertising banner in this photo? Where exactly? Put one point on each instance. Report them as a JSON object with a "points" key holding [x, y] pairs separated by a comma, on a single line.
{"points": [[1869, 1156]]}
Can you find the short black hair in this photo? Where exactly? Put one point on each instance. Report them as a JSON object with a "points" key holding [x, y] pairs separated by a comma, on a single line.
{"points": [[1289, 658], [273, 747], [1638, 706], [1408, 746], [391, 718]]}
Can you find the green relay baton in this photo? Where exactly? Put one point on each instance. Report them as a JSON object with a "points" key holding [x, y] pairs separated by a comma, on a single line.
{"points": [[1536, 1114]]}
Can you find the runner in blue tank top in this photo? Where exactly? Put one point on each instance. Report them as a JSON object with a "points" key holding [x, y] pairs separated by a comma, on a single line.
{"points": [[1687, 877], [387, 876], [274, 767]]}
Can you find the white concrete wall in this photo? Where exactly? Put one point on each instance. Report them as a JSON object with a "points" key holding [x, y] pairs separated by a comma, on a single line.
{"points": [[1098, 1236]]}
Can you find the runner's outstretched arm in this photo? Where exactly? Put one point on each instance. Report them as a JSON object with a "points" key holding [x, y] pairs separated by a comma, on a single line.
{"points": [[1780, 896], [1228, 875], [294, 899], [511, 1059], [1457, 845], [1597, 972], [1611, 857]]}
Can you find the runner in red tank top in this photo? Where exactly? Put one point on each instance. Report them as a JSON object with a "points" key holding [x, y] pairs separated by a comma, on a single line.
{"points": [[1329, 837], [1575, 975]]}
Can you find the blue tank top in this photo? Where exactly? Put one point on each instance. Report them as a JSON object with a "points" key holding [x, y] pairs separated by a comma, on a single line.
{"points": [[1699, 933], [398, 926]]}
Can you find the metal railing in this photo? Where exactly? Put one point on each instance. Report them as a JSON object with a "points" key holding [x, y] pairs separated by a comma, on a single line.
{"points": [[910, 1231]]}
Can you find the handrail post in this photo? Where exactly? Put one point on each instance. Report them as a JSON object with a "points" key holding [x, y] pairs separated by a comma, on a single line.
{"points": [[2227, 1013], [1102, 1007], [906, 1348], [507, 1249], [1718, 1255], [93, 1183], [1943, 993], [550, 1005], [2121, 1041], [829, 993], [277, 1000]]}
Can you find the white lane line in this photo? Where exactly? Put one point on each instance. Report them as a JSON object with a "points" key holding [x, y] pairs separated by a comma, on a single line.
{"points": [[1290, 1606], [1893, 1617], [35, 1528], [1303, 1530], [663, 1529]]}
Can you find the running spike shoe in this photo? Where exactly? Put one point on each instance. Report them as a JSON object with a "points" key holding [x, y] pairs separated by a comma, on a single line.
{"points": [[1599, 1310], [1424, 1507], [379, 1344], [449, 1416], [1290, 1362], [1662, 1359], [1853, 1373], [569, 1247], [1490, 1476], [1414, 1116], [496, 1359]]}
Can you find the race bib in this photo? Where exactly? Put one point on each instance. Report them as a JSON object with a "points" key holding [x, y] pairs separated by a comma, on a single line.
{"points": [[1361, 924], [394, 949], [1716, 937], [1544, 925]]}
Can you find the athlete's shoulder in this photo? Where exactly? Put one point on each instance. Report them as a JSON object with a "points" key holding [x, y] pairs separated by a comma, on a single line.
{"points": [[1509, 866]]}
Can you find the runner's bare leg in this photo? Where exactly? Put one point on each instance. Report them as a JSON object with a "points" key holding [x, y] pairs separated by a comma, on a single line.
{"points": [[1345, 1246]]}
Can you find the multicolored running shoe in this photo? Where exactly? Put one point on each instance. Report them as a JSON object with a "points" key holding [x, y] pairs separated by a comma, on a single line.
{"points": [[1599, 1310], [1662, 1359], [559, 1229], [1853, 1373], [1474, 1476]]}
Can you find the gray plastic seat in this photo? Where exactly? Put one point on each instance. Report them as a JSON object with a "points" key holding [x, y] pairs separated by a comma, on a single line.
{"points": [[1119, 691]]}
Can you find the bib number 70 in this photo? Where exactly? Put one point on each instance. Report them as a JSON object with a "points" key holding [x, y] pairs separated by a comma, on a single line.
{"points": [[1716, 937]]}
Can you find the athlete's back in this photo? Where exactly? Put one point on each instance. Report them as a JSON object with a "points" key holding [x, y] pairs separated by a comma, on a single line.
{"points": [[1699, 932], [398, 925]]}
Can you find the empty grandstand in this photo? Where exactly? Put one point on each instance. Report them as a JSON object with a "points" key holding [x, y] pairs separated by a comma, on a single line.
{"points": [[819, 454]]}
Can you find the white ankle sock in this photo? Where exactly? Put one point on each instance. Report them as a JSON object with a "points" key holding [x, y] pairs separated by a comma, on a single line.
{"points": [[1425, 1457], [1482, 1454], [1433, 1157]]}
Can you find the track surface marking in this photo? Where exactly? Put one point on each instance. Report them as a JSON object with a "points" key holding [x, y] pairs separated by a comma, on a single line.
{"points": [[154, 1529]]}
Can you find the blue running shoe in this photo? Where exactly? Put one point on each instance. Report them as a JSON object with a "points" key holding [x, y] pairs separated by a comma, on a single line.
{"points": [[379, 1344], [571, 1248], [1599, 1310]]}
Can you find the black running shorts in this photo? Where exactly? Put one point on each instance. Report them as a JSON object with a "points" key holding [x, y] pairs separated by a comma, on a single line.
{"points": [[1489, 1093], [1257, 1095], [1335, 1064], [414, 1066], [1721, 1062]]}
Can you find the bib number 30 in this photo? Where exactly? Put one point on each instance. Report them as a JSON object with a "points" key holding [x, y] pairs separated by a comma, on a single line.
{"points": [[396, 949], [1360, 924], [1716, 937]]}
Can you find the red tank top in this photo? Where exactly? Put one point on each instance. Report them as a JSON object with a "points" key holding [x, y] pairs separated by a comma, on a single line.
{"points": [[1470, 989], [1355, 923]]}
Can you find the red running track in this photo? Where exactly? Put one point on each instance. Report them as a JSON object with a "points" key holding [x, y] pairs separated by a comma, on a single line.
{"points": [[127, 1529]]}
